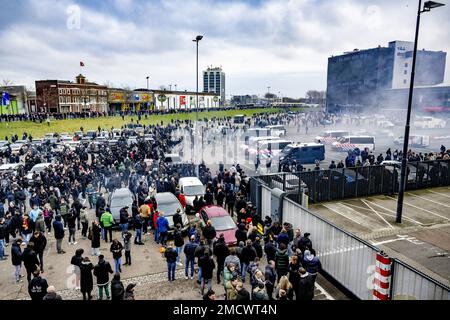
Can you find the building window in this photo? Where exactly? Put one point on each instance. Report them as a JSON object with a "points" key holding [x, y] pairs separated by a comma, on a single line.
{"points": [[404, 81], [405, 72], [406, 64]]}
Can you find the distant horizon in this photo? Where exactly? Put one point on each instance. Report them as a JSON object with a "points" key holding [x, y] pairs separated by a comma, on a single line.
{"points": [[279, 44]]}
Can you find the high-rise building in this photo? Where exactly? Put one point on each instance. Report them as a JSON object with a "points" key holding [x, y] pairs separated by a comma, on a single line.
{"points": [[356, 79], [214, 81]]}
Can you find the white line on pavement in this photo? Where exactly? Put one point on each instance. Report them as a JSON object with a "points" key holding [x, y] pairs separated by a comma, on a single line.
{"points": [[341, 214], [426, 199], [322, 290], [411, 205], [441, 194], [390, 226], [392, 211]]}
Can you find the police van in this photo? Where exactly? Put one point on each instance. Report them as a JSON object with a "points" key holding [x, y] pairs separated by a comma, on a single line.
{"points": [[304, 153], [330, 136], [239, 118], [272, 148], [347, 143], [256, 132]]}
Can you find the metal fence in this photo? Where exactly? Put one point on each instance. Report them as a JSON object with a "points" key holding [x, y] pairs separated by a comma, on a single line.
{"points": [[345, 257], [409, 283], [337, 184], [349, 260]]}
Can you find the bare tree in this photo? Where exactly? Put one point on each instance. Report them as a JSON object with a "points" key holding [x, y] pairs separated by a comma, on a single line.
{"points": [[163, 87], [270, 95], [7, 82], [108, 84]]}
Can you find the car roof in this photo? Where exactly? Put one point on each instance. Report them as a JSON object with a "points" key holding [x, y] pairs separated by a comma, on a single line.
{"points": [[215, 211], [165, 197], [190, 181], [307, 144], [7, 166], [121, 192]]}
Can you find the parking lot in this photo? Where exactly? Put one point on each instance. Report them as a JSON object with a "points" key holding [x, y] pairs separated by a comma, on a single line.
{"points": [[423, 237]]}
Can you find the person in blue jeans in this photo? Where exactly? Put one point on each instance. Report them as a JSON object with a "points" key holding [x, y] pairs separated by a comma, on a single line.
{"points": [[189, 251], [124, 219], [171, 257], [138, 228], [116, 249], [179, 243], [163, 227]]}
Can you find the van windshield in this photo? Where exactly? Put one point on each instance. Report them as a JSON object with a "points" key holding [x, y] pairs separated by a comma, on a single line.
{"points": [[193, 190], [338, 134], [287, 150]]}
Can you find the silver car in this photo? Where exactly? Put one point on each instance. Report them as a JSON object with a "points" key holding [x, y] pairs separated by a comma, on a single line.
{"points": [[120, 198]]}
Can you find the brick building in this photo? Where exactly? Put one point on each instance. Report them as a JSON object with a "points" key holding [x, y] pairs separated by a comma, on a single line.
{"points": [[59, 96]]}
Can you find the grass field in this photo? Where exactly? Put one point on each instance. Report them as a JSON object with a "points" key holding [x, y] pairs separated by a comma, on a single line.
{"points": [[38, 130]]}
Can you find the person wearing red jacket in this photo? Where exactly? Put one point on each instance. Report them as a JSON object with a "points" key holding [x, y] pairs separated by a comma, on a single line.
{"points": [[155, 217], [182, 200]]}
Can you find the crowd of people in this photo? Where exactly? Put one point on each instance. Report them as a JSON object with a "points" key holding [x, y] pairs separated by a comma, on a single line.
{"points": [[54, 206]]}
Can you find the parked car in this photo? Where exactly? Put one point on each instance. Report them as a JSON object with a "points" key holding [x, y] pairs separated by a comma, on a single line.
{"points": [[191, 187], [38, 168], [120, 198], [167, 202], [221, 221]]}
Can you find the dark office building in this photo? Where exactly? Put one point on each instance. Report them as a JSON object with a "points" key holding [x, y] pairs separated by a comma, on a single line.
{"points": [[356, 79]]}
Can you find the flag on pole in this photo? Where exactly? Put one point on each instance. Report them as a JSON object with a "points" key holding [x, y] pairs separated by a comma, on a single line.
{"points": [[81, 64]]}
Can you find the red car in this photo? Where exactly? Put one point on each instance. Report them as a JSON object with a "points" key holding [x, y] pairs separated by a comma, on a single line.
{"points": [[221, 221]]}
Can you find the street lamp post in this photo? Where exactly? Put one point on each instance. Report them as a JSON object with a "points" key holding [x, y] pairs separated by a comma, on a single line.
{"points": [[147, 81], [428, 5], [196, 40]]}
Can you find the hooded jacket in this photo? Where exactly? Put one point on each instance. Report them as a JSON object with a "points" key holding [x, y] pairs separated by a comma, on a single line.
{"points": [[16, 254], [189, 250], [281, 262], [311, 263], [102, 271], [117, 288], [37, 288], [86, 280]]}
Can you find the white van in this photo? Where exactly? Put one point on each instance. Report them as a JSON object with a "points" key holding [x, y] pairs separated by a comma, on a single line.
{"points": [[351, 142], [191, 187], [414, 141], [429, 123], [277, 130], [330, 136]]}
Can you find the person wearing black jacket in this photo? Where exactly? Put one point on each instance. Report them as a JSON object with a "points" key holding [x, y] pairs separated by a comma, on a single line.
{"points": [[86, 280], [241, 234], [177, 219], [101, 272], [171, 257], [30, 260], [124, 217], [242, 293], [230, 200], [94, 235], [305, 286], [58, 229], [209, 233], [179, 243], [207, 264], [117, 288], [138, 224], [116, 249], [270, 249], [221, 251], [37, 288], [40, 242], [270, 276], [16, 258], [248, 255], [99, 205], [258, 248], [220, 197]]}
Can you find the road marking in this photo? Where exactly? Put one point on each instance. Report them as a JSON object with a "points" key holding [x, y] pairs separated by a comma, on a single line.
{"points": [[441, 194], [322, 290], [392, 211], [390, 226], [441, 204], [341, 214], [353, 205], [426, 210], [366, 215], [408, 238]]}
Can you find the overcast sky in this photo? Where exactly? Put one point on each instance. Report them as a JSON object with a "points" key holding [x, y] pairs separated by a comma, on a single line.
{"points": [[281, 44]]}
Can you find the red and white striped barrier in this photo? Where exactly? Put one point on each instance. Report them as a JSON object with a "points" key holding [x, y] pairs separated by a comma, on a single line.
{"points": [[382, 279]]}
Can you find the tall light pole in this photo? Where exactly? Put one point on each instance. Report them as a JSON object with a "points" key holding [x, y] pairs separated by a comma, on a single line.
{"points": [[196, 40], [428, 5], [170, 87], [147, 81], [175, 86]]}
